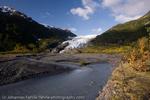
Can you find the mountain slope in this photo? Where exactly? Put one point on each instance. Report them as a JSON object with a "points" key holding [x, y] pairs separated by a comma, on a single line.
{"points": [[17, 28], [124, 33]]}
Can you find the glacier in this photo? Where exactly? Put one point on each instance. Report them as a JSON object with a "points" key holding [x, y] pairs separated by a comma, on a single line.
{"points": [[78, 42]]}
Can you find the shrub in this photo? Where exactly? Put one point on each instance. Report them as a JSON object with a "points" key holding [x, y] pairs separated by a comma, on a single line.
{"points": [[20, 48], [143, 44], [139, 56], [83, 63]]}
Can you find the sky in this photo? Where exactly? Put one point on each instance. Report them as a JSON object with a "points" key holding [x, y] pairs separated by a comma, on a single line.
{"points": [[82, 17]]}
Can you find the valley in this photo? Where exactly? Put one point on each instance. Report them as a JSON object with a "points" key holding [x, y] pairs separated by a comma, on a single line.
{"points": [[39, 61]]}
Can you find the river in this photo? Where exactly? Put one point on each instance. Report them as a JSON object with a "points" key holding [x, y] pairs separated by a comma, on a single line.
{"points": [[82, 83]]}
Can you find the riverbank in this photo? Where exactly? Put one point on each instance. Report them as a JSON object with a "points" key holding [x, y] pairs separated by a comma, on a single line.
{"points": [[126, 84], [131, 79]]}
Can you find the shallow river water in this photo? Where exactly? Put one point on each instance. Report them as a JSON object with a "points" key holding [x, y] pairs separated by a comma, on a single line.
{"points": [[79, 84]]}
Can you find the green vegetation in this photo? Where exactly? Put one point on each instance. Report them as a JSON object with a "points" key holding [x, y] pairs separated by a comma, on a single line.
{"points": [[139, 56], [130, 84], [111, 49], [106, 60], [120, 38], [131, 80], [84, 63], [22, 34], [124, 33]]}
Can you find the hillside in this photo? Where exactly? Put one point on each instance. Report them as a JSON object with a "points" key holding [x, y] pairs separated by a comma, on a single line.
{"points": [[124, 33], [17, 30]]}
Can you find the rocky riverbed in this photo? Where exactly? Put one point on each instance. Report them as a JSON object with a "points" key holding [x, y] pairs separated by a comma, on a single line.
{"points": [[20, 67], [79, 74]]}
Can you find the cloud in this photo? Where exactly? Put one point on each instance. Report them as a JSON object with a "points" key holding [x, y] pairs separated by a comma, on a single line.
{"points": [[97, 30], [124, 18], [125, 10], [121, 10], [89, 7], [82, 12], [72, 29], [110, 3]]}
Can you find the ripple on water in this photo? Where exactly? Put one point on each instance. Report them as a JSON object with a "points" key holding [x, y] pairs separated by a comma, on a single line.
{"points": [[85, 81]]}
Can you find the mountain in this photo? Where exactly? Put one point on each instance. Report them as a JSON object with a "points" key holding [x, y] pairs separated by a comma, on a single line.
{"points": [[124, 33], [16, 28]]}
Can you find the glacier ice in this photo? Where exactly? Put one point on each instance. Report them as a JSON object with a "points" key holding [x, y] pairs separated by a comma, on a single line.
{"points": [[77, 42]]}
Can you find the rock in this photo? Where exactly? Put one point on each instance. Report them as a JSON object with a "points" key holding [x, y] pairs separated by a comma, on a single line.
{"points": [[60, 47], [23, 68]]}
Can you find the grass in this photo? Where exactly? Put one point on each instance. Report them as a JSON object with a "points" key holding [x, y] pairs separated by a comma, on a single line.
{"points": [[83, 63], [131, 80], [104, 60], [106, 49], [130, 84], [22, 51], [13, 54], [124, 33]]}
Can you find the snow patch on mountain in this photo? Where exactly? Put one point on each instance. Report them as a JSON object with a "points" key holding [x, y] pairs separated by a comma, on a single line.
{"points": [[12, 11], [6, 9], [77, 42]]}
